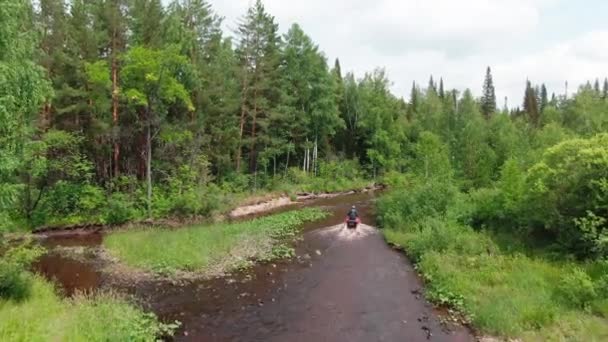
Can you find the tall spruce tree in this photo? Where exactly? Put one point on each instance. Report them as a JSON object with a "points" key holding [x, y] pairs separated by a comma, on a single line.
{"points": [[146, 19], [544, 98], [414, 102], [432, 88], [488, 99], [605, 90], [441, 90], [530, 105]]}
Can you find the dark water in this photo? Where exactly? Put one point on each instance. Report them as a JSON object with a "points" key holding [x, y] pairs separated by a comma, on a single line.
{"points": [[343, 286]]}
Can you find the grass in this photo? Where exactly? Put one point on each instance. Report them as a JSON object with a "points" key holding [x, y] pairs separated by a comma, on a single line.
{"points": [[209, 250], [508, 293], [44, 316]]}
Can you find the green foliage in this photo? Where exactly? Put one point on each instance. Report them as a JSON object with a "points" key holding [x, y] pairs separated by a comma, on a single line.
{"points": [[45, 316], [70, 203], [15, 281], [577, 289], [501, 291], [419, 201], [568, 194]]}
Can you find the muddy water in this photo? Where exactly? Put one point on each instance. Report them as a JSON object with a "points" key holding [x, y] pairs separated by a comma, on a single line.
{"points": [[344, 285]]}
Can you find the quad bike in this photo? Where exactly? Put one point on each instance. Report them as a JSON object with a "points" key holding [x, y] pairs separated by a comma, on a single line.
{"points": [[352, 224]]}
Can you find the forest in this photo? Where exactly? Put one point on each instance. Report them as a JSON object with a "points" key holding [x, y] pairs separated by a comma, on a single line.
{"points": [[117, 111]]}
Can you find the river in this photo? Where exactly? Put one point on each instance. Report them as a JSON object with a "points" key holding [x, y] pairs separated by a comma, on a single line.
{"points": [[344, 285]]}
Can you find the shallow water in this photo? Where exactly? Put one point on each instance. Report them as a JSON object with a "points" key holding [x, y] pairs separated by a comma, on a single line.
{"points": [[344, 285]]}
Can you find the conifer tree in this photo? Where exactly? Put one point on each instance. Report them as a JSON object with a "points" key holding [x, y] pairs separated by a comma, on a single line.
{"points": [[544, 99], [432, 86], [488, 99], [530, 105], [146, 18], [414, 102], [441, 90], [259, 57]]}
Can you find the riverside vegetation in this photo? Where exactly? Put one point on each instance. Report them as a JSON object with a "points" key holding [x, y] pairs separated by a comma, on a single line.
{"points": [[118, 111]]}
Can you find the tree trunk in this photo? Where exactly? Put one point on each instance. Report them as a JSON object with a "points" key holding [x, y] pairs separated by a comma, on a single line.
{"points": [[149, 164], [252, 154], [287, 163], [115, 103]]}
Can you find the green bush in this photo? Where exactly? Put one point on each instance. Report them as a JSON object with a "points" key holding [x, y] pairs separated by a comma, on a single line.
{"points": [[577, 289], [568, 195], [15, 281], [120, 209], [422, 200], [438, 235], [70, 203]]}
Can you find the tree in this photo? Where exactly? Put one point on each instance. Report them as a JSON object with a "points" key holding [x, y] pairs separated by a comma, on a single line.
{"points": [[596, 86], [22, 90], [111, 22], [531, 105], [152, 80], [441, 90], [307, 95], [432, 86], [414, 102], [605, 90], [51, 19], [146, 17], [544, 100], [488, 99], [259, 57]]}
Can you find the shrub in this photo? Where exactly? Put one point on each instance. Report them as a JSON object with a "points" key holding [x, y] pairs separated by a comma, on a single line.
{"points": [[70, 203], [423, 199], [120, 209], [15, 281], [568, 195], [577, 289]]}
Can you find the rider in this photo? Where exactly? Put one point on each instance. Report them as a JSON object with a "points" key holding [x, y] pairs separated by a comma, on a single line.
{"points": [[352, 213]]}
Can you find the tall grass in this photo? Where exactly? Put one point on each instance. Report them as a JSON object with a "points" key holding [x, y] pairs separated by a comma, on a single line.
{"points": [[503, 288], [207, 249], [44, 316]]}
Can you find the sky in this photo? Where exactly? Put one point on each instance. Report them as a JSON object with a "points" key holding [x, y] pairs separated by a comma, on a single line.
{"points": [[550, 41]]}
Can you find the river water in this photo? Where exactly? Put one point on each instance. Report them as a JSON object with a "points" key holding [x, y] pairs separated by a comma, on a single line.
{"points": [[344, 285]]}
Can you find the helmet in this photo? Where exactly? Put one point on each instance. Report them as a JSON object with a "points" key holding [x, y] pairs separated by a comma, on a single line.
{"points": [[353, 207]]}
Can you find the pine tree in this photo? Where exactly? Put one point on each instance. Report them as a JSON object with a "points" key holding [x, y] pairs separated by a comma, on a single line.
{"points": [[52, 25], [432, 86], [414, 102], [441, 90], [605, 90], [146, 17], [258, 51], [531, 105], [488, 99], [111, 24], [544, 100], [596, 86]]}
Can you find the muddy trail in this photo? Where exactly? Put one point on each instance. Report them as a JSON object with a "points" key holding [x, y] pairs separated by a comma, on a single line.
{"points": [[344, 285]]}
